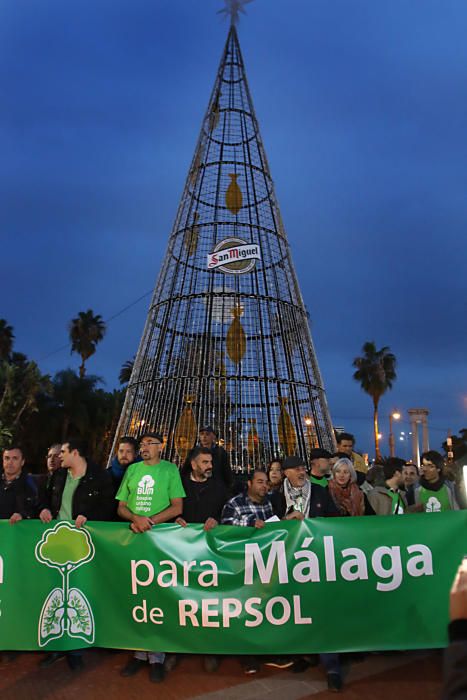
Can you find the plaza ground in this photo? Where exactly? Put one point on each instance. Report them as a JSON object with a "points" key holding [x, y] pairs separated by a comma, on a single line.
{"points": [[402, 675]]}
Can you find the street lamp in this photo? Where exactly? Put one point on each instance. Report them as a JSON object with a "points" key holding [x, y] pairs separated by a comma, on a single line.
{"points": [[395, 415]]}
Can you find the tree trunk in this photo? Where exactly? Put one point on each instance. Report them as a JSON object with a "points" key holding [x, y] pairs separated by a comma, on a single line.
{"points": [[375, 427], [82, 368]]}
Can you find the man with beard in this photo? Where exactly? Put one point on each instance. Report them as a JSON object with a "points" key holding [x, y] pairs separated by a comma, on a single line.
{"points": [[126, 454], [203, 503], [388, 499]]}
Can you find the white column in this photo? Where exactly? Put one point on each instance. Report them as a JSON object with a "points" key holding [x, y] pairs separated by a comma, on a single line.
{"points": [[415, 447], [425, 440]]}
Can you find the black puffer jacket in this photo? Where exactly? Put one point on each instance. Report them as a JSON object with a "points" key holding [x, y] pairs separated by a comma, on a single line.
{"points": [[94, 496]]}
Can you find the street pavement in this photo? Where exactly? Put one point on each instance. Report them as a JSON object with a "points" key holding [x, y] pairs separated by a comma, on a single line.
{"points": [[398, 676]]}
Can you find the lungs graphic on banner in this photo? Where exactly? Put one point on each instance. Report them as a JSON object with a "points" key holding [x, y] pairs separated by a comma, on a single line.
{"points": [[66, 610]]}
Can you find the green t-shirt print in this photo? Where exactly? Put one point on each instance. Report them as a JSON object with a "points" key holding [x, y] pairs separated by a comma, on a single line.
{"points": [[148, 489], [435, 501]]}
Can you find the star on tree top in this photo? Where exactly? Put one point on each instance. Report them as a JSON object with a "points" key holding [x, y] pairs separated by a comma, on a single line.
{"points": [[233, 8]]}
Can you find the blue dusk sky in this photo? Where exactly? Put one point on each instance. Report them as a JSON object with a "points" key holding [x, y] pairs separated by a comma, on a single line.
{"points": [[362, 106]]}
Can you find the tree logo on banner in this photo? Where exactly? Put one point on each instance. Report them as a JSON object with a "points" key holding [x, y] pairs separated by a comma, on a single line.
{"points": [[66, 611]]}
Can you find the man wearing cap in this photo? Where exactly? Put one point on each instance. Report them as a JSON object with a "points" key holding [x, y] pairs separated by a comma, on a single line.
{"points": [[298, 498], [320, 466], [301, 498], [220, 459], [151, 493]]}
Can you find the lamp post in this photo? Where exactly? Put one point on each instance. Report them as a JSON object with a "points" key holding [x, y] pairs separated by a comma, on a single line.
{"points": [[395, 415]]}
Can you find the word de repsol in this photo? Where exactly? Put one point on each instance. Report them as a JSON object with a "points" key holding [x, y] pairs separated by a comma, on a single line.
{"points": [[217, 612]]}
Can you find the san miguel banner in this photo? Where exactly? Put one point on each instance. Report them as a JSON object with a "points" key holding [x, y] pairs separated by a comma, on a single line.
{"points": [[332, 584]]}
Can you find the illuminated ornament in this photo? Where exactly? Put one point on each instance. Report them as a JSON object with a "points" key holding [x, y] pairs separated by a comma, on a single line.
{"points": [[190, 239], [233, 196], [236, 338], [220, 383], [195, 169], [310, 432], [253, 442], [286, 430], [214, 116], [186, 430]]}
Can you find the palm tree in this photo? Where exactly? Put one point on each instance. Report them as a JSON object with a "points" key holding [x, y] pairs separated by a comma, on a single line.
{"points": [[376, 372], [73, 396], [125, 372], [6, 339], [86, 331]]}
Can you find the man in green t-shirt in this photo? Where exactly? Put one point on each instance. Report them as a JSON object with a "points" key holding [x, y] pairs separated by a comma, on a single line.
{"points": [[151, 493], [320, 466]]}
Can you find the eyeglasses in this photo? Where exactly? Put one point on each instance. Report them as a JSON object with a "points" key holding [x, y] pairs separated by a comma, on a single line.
{"points": [[146, 444]]}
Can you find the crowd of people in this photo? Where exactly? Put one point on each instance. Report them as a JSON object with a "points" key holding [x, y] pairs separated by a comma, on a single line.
{"points": [[145, 490]]}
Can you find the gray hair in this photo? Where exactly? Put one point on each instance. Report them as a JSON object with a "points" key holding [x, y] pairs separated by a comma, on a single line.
{"points": [[345, 462]]}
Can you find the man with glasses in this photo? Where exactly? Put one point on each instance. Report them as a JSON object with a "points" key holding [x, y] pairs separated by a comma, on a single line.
{"points": [[151, 493]]}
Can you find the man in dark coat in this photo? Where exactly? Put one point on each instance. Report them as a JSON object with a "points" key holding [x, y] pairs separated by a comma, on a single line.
{"points": [[78, 491], [18, 492], [220, 459], [203, 503]]}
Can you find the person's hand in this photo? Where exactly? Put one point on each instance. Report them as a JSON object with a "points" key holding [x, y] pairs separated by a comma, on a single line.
{"points": [[181, 522], [458, 595], [15, 518], [80, 521], [259, 524], [45, 515], [295, 515], [210, 524], [416, 508], [141, 523]]}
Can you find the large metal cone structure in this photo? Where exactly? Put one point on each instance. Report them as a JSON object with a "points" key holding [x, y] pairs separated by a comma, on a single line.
{"points": [[227, 341]]}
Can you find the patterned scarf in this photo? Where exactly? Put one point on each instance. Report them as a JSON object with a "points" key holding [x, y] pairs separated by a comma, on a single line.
{"points": [[349, 499], [297, 498]]}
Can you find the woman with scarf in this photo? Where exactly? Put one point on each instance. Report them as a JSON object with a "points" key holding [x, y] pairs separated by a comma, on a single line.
{"points": [[344, 490]]}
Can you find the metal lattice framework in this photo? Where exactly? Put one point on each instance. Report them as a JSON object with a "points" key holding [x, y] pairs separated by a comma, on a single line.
{"points": [[229, 345]]}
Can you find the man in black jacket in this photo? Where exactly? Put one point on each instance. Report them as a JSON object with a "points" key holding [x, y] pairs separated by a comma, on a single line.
{"points": [[220, 460], [205, 497], [79, 491], [203, 503], [18, 493]]}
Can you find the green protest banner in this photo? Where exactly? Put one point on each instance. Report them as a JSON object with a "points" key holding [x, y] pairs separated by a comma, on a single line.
{"points": [[328, 584]]}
